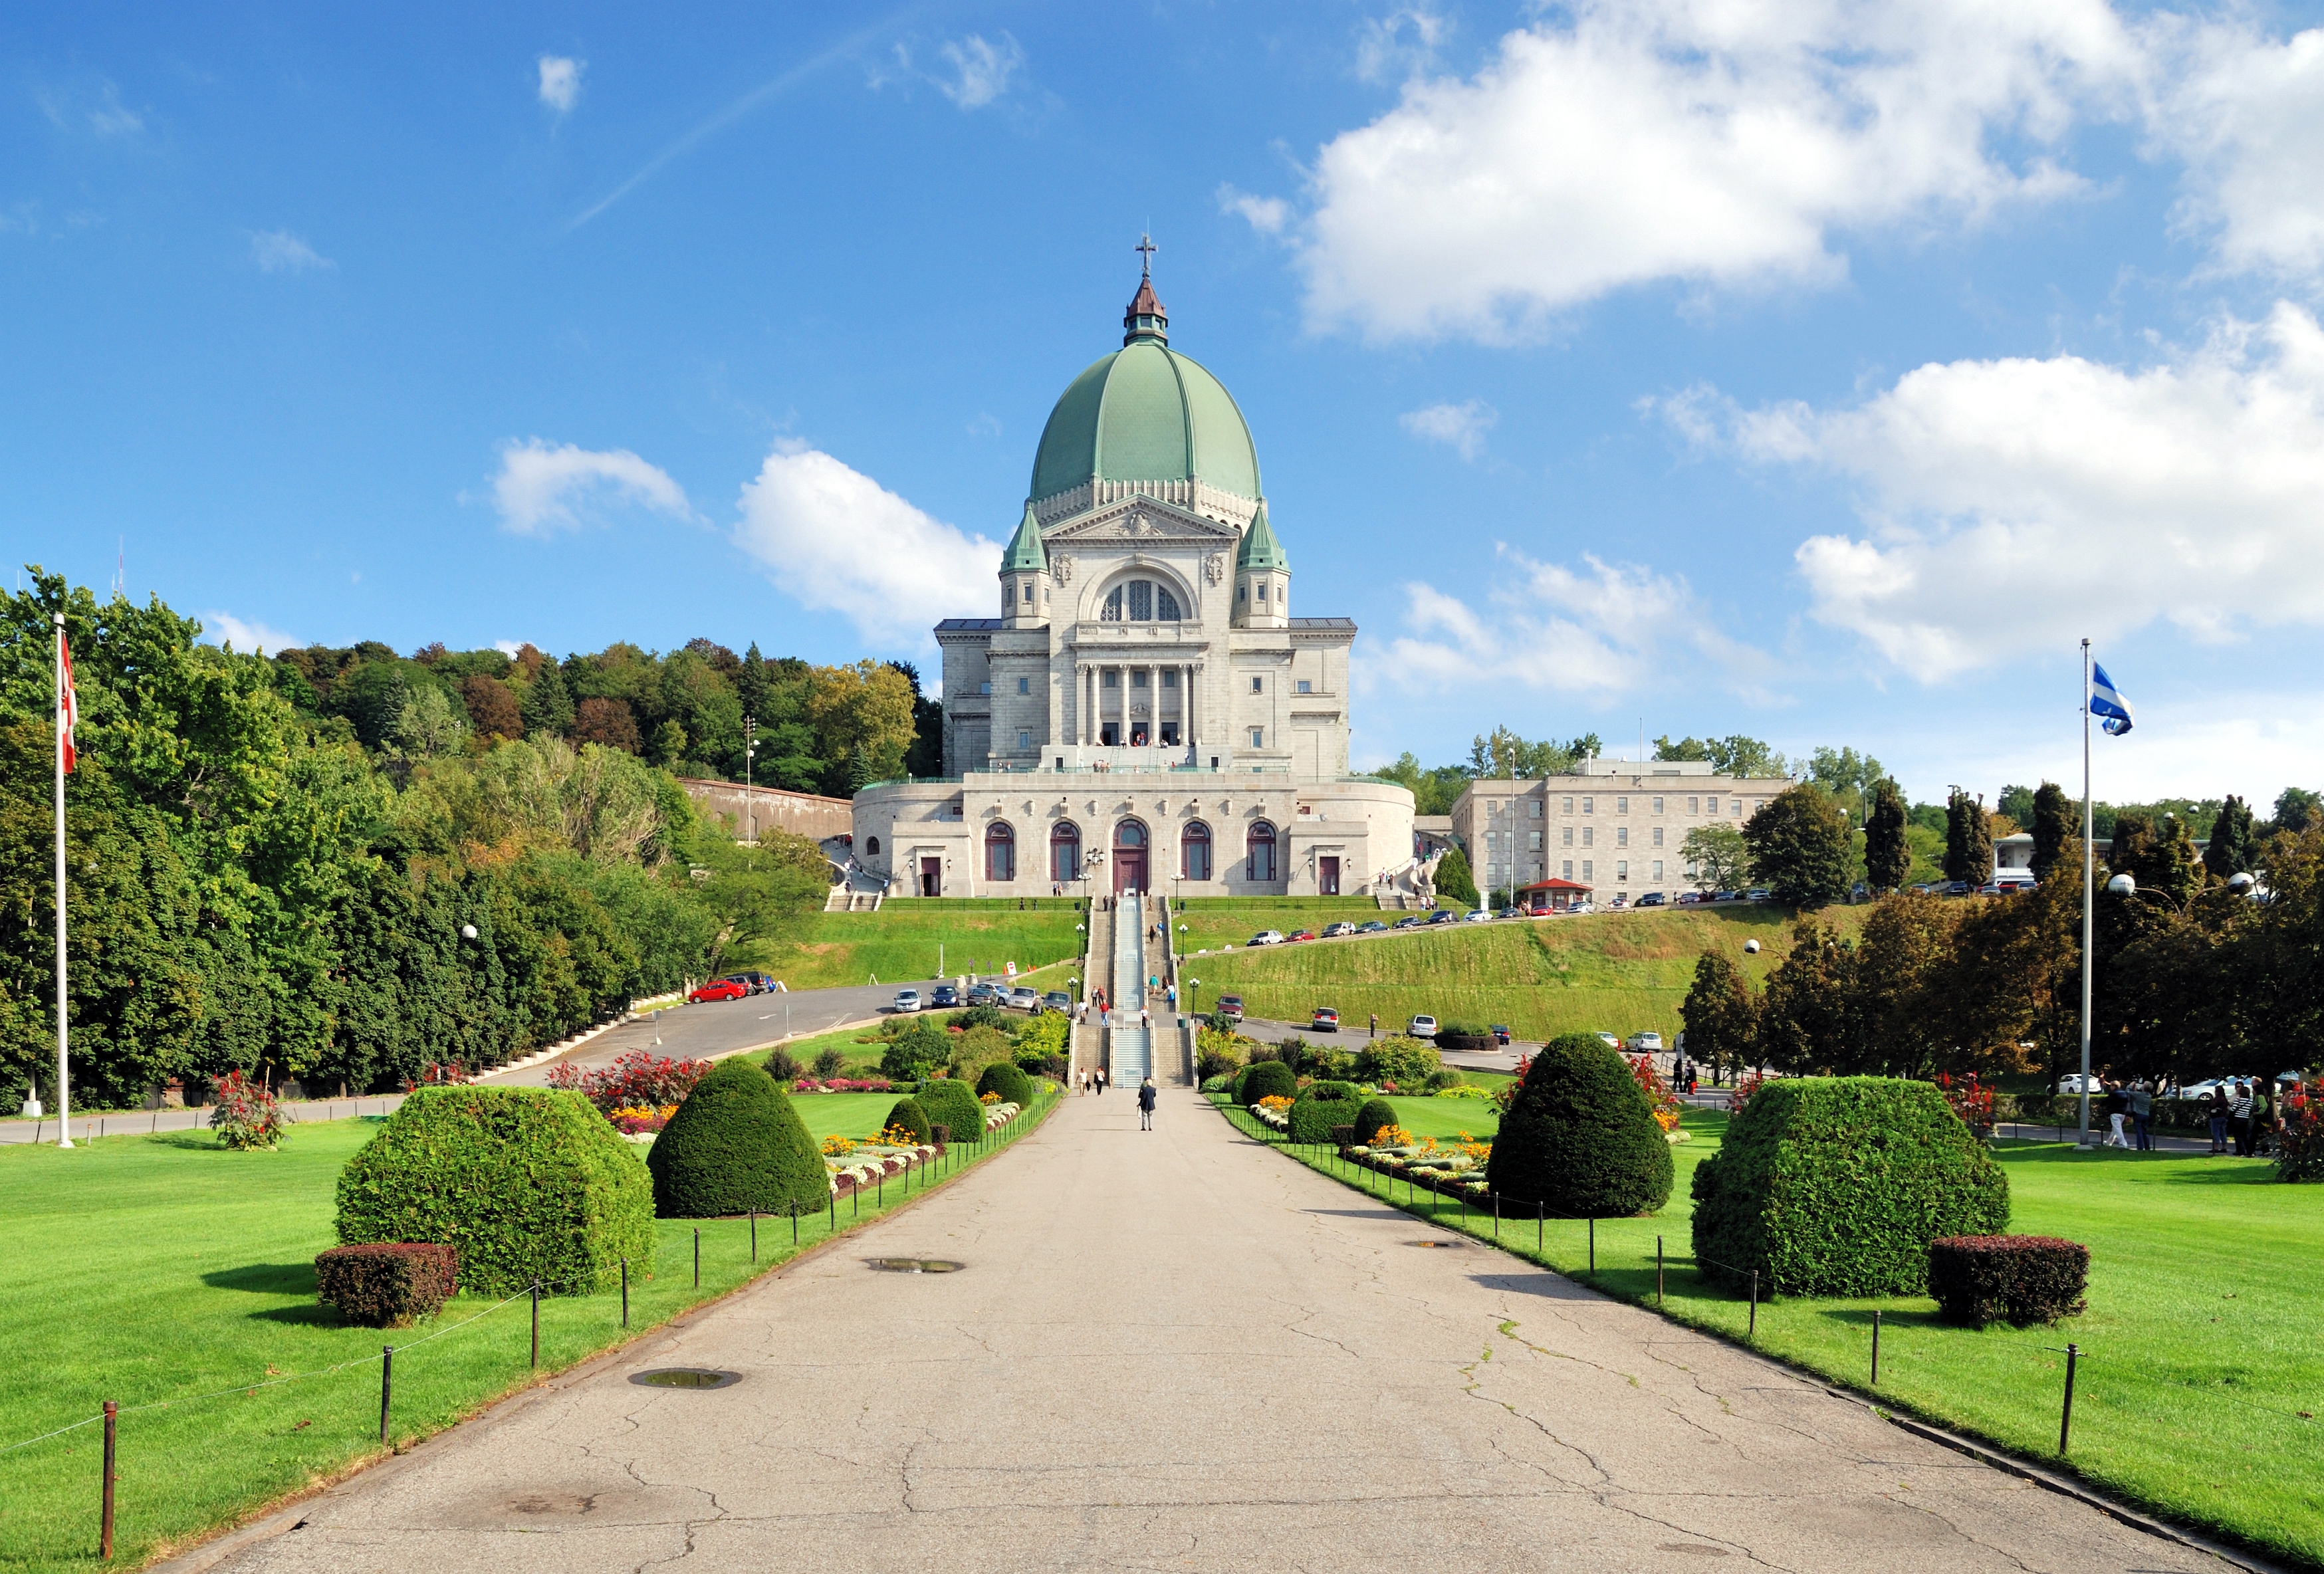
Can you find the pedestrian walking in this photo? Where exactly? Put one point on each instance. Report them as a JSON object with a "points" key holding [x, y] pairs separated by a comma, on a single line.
{"points": [[1174, 998], [2239, 1111], [1375, 1025], [1098, 1076], [2116, 1107], [1146, 1105], [2142, 1115], [1081, 1082], [2217, 1106], [1144, 1017]]}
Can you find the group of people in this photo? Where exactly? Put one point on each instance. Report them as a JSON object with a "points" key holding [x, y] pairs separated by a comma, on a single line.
{"points": [[1094, 1080], [2243, 1115]]}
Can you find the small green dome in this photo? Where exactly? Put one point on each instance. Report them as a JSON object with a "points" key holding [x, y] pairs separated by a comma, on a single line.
{"points": [[1146, 413]]}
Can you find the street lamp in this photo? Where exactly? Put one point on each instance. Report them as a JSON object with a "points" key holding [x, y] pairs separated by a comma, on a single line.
{"points": [[1192, 985]]}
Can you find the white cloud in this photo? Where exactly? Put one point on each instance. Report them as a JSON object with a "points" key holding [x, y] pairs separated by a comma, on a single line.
{"points": [[1462, 425], [111, 117], [836, 541], [2015, 504], [1403, 42], [1267, 215], [541, 485], [982, 70], [2246, 115], [1697, 141], [560, 81], [1602, 629], [509, 648], [247, 636], [278, 251]]}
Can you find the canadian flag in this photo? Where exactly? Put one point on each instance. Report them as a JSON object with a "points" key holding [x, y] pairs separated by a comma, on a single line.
{"points": [[68, 705]]}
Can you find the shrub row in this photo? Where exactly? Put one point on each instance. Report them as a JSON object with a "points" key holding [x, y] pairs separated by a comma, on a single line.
{"points": [[387, 1285], [2020, 1279]]}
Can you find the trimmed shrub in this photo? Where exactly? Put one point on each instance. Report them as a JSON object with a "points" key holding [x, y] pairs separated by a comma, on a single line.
{"points": [[1320, 1106], [1219, 1084], [911, 1115], [388, 1283], [1266, 1078], [1440, 1080], [1579, 1137], [1375, 1113], [736, 1146], [952, 1105], [1006, 1080], [524, 1184], [1836, 1186], [2020, 1279], [1406, 1061]]}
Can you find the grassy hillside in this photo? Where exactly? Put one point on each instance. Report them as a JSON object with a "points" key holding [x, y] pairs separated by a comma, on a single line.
{"points": [[1616, 972], [1213, 922], [903, 941]]}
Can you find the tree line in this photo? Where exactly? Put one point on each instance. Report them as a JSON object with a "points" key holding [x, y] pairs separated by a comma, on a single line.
{"points": [[343, 891]]}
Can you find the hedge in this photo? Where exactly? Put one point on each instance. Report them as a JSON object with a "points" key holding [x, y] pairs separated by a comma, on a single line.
{"points": [[1836, 1186], [2019, 1279], [952, 1105], [911, 1115], [736, 1146], [390, 1284], [1321, 1106], [1579, 1137], [1008, 1080], [524, 1184], [1266, 1078], [1375, 1115], [1405, 1061]]}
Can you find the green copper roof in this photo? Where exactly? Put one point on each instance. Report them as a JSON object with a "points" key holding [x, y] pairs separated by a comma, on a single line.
{"points": [[1025, 555], [1146, 413], [1260, 549]]}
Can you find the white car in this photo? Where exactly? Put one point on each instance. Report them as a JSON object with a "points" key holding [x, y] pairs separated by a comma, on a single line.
{"points": [[1610, 1041], [1650, 1043], [1421, 1027], [1266, 937], [2072, 1083], [1476, 916], [1024, 998], [908, 1000]]}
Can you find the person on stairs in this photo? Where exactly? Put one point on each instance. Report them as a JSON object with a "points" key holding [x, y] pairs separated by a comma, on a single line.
{"points": [[1146, 1105]]}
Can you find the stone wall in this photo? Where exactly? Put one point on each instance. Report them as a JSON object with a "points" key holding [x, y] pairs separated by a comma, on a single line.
{"points": [[743, 808]]}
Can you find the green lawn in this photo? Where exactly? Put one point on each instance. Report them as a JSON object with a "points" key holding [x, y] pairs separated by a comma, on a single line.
{"points": [[1447, 1119], [166, 1272], [1614, 973], [905, 940], [2202, 1347]]}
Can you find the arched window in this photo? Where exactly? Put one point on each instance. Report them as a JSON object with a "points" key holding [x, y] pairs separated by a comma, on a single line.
{"points": [[1129, 834], [1000, 851], [1262, 852], [1141, 600], [1111, 611], [871, 846], [1166, 605], [1064, 851], [1194, 850]]}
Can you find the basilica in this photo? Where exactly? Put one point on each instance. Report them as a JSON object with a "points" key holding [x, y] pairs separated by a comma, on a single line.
{"points": [[1145, 714]]}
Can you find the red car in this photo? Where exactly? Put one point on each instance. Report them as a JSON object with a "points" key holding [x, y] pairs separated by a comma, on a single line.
{"points": [[1299, 936], [719, 989]]}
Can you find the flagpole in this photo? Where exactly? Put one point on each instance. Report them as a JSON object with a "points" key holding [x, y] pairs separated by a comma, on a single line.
{"points": [[2090, 874], [64, 1095]]}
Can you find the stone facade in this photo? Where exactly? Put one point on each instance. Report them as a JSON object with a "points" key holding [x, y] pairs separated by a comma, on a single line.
{"points": [[1616, 825]]}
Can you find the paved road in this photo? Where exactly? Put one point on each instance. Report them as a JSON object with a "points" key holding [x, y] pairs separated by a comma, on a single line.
{"points": [[1179, 1350]]}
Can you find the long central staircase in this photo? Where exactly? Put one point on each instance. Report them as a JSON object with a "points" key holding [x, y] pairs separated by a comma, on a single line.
{"points": [[1130, 1047]]}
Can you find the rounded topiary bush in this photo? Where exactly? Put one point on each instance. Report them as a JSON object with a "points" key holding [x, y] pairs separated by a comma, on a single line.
{"points": [[952, 1105], [1579, 1137], [526, 1183], [911, 1115], [1837, 1186], [1268, 1079], [1320, 1106], [736, 1146], [1376, 1115], [1007, 1080]]}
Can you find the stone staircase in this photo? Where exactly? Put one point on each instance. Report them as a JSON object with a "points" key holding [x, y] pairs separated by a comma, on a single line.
{"points": [[1129, 1048], [845, 900]]}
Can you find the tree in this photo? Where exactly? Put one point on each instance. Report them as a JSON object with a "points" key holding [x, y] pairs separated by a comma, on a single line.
{"points": [[1850, 777], [861, 715], [2016, 803], [1454, 879], [1907, 941], [1579, 1138], [1809, 1022], [1433, 791], [547, 707], [2297, 809], [611, 722], [1717, 857], [1801, 847], [1969, 839], [925, 755], [1887, 857], [1504, 752], [1733, 756], [2055, 827], [1720, 1014], [492, 708], [2232, 849]]}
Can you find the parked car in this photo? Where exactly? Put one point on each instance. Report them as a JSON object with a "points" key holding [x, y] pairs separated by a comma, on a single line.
{"points": [[1334, 931], [1265, 937], [1722, 895], [1326, 1020], [943, 994], [757, 982], [1756, 894], [1024, 998], [1647, 1042], [1610, 1041], [1375, 927], [1956, 888], [1421, 1027], [1231, 1007], [1476, 916], [908, 1000], [983, 995], [1442, 915], [1652, 899], [2071, 1082], [1410, 921], [1621, 900], [719, 989], [1689, 898], [1057, 1001], [1298, 935], [1500, 1033]]}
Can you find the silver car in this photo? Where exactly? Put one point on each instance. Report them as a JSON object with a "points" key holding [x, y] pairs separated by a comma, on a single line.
{"points": [[908, 1000], [1024, 999]]}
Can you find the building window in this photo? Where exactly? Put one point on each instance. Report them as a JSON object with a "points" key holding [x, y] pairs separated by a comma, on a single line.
{"points": [[871, 846], [1621, 835], [1590, 805], [1194, 850], [1064, 851], [1565, 870], [1621, 871], [1242, 591], [1694, 805], [1255, 685], [1258, 737], [1109, 678], [1535, 838], [1658, 805], [1565, 836], [984, 687], [1621, 806], [1024, 741], [1736, 808], [1024, 686], [1166, 605], [1589, 836], [1568, 807], [1141, 601], [1533, 807], [1262, 848], [1658, 871], [1138, 678], [1000, 851], [1588, 871], [1111, 611], [1262, 592], [1305, 687], [1169, 677], [1658, 835]]}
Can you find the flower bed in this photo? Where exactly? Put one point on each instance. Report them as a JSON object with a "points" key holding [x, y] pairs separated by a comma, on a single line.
{"points": [[844, 1085], [856, 1164], [1458, 1171]]}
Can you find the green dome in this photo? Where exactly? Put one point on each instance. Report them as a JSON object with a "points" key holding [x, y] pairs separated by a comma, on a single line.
{"points": [[1146, 413]]}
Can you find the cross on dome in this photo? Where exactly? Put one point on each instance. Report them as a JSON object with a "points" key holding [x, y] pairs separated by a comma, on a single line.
{"points": [[1146, 248]]}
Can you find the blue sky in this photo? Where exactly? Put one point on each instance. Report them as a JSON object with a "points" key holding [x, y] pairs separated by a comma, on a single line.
{"points": [[1812, 371]]}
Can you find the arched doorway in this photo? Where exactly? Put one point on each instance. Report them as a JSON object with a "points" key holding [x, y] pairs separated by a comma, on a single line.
{"points": [[1194, 850], [1128, 858], [1260, 843], [1065, 852]]}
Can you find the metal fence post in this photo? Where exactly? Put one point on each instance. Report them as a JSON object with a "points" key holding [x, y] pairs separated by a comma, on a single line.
{"points": [[105, 1536], [754, 1235], [1659, 1270], [2066, 1416], [536, 1323], [386, 1386], [697, 1257], [625, 1292], [1540, 1212], [1876, 1348], [1754, 1332], [1593, 1245]]}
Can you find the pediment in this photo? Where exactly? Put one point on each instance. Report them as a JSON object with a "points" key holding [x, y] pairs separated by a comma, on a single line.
{"points": [[1141, 520]]}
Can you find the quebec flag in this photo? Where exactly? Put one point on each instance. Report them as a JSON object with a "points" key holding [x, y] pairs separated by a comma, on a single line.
{"points": [[2107, 702]]}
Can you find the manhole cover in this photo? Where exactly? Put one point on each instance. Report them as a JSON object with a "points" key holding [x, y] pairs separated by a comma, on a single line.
{"points": [[1449, 1246], [915, 1266], [687, 1377]]}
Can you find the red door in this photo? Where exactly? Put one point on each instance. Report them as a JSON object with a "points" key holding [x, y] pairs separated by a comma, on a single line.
{"points": [[932, 877], [1327, 877]]}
